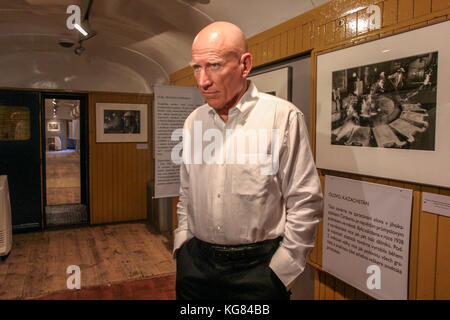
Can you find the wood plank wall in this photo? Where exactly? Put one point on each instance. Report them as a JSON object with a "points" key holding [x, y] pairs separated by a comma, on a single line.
{"points": [[118, 171], [335, 25]]}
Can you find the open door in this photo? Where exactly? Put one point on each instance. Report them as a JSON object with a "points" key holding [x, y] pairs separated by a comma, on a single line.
{"points": [[20, 156], [65, 166]]}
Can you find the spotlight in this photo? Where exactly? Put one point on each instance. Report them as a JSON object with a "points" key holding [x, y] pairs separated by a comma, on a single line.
{"points": [[85, 30], [79, 50]]}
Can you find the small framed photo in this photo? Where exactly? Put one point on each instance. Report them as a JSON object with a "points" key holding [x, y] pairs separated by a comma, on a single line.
{"points": [[53, 126], [121, 122]]}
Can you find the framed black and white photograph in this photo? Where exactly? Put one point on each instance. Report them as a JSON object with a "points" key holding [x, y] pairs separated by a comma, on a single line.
{"points": [[275, 82], [53, 126], [383, 107], [121, 122]]}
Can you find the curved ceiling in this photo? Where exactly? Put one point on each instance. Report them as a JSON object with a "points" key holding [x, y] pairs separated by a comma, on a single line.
{"points": [[139, 42]]}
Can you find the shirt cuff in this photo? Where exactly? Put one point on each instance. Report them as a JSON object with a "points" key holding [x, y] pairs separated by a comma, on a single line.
{"points": [[180, 237], [285, 267]]}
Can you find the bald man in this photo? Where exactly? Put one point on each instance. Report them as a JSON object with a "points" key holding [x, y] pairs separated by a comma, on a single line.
{"points": [[250, 196]]}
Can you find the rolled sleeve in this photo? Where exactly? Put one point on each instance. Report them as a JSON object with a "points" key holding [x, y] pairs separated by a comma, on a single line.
{"points": [[182, 233], [304, 202]]}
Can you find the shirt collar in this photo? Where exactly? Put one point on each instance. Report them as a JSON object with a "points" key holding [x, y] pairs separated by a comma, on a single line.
{"points": [[246, 103]]}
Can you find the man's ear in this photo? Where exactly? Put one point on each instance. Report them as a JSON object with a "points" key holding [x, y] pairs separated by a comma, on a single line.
{"points": [[246, 63]]}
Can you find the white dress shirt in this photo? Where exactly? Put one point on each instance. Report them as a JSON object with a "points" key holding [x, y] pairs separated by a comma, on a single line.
{"points": [[229, 202]]}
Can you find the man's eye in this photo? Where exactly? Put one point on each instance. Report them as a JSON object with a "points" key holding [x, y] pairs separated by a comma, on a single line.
{"points": [[215, 65]]}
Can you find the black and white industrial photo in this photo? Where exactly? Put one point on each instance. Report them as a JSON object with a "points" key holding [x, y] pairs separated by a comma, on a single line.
{"points": [[390, 104], [122, 121]]}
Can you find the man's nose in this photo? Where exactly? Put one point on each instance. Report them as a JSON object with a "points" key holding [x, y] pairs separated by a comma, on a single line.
{"points": [[204, 80]]}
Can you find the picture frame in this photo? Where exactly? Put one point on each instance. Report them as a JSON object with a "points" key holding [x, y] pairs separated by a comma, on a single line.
{"points": [[53, 126], [383, 107], [277, 82], [121, 122]]}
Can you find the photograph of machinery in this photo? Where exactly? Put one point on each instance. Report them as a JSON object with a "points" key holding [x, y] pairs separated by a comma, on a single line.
{"points": [[390, 104]]}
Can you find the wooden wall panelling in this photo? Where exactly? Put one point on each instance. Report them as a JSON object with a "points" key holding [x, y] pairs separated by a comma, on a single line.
{"points": [[426, 268], [438, 5], [298, 47], [291, 42], [119, 172], [270, 49], [421, 7], [339, 27], [322, 290], [319, 35], [414, 244], [389, 15], [442, 291], [174, 212], [277, 47], [307, 34], [284, 44], [339, 293], [317, 284], [405, 10], [438, 19], [329, 286]]}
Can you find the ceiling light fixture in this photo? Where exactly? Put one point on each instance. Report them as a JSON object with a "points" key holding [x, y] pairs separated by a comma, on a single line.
{"points": [[85, 31], [79, 28]]}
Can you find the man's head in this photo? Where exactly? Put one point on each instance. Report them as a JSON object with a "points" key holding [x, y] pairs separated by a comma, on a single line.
{"points": [[221, 64]]}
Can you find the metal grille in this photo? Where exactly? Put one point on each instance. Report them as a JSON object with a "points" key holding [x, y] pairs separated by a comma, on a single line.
{"points": [[66, 214]]}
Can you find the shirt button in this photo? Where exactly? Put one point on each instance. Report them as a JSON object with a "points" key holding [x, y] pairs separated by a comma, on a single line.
{"points": [[218, 228], [218, 195]]}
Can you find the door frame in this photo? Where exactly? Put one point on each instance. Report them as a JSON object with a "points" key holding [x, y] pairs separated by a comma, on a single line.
{"points": [[84, 147]]}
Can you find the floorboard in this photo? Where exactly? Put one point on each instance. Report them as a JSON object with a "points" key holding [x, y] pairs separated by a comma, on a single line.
{"points": [[115, 256]]}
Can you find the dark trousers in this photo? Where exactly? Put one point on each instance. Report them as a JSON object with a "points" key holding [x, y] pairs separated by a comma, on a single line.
{"points": [[205, 274]]}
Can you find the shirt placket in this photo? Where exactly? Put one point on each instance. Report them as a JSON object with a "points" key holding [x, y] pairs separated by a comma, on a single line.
{"points": [[219, 205]]}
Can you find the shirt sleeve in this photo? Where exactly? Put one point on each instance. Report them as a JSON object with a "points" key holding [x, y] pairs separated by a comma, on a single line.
{"points": [[182, 233], [300, 185]]}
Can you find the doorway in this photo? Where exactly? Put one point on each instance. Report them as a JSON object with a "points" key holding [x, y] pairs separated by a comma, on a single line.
{"points": [[65, 149]]}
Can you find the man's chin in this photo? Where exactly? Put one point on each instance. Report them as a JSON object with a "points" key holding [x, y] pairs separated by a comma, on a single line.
{"points": [[214, 103]]}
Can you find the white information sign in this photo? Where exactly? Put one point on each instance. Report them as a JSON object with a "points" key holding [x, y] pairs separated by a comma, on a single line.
{"points": [[366, 236], [436, 203], [172, 107]]}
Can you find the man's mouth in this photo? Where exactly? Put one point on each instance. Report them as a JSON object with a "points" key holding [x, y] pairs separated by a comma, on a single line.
{"points": [[210, 94]]}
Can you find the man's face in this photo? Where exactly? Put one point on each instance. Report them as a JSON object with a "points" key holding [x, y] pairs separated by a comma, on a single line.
{"points": [[219, 75]]}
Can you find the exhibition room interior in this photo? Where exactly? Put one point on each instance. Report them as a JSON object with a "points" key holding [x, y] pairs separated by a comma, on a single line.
{"points": [[85, 173]]}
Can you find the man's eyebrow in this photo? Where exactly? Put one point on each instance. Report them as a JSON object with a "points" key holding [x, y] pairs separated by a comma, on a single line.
{"points": [[215, 61]]}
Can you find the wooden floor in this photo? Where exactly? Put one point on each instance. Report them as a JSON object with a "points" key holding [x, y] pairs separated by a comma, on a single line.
{"points": [[106, 254], [62, 177], [157, 288]]}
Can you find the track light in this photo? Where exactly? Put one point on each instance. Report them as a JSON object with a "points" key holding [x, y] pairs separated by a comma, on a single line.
{"points": [[85, 30], [80, 28], [79, 50]]}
